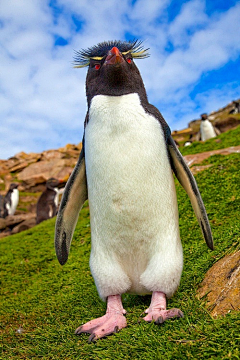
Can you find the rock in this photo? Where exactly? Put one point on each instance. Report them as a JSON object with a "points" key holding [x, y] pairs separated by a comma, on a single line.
{"points": [[27, 224], [227, 124], [3, 167], [21, 160], [51, 155], [40, 172], [35, 184], [5, 233], [13, 220], [221, 286], [19, 166]]}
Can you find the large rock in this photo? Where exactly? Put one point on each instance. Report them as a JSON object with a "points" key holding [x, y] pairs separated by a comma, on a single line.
{"points": [[227, 124], [40, 172], [13, 220], [26, 224], [221, 286], [15, 223]]}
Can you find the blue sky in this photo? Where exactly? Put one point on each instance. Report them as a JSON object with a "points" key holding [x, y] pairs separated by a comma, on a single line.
{"points": [[193, 67]]}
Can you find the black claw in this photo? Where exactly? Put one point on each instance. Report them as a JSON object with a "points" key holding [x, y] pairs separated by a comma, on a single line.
{"points": [[116, 329], [181, 314], [91, 338], [159, 321], [78, 330]]}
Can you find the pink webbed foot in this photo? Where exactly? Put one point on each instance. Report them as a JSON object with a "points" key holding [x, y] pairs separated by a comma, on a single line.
{"points": [[110, 323], [157, 310]]}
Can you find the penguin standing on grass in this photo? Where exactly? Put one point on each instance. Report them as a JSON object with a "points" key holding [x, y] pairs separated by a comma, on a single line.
{"points": [[207, 130], [125, 171], [11, 200], [47, 204]]}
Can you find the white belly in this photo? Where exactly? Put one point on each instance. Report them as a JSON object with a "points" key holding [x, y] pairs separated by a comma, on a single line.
{"points": [[132, 197], [15, 199], [207, 130]]}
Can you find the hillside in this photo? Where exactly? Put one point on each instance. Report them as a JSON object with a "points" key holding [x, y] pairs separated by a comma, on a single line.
{"points": [[43, 303]]}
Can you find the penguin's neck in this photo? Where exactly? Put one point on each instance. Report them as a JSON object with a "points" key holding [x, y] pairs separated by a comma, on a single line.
{"points": [[112, 109]]}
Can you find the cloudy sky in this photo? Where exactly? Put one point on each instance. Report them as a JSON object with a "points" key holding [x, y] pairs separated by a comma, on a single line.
{"points": [[193, 67]]}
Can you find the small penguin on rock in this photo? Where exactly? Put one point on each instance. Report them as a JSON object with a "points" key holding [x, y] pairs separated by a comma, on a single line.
{"points": [[47, 204], [207, 130], [11, 200], [125, 171]]}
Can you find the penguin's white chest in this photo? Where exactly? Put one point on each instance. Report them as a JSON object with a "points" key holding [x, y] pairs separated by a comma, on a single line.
{"points": [[128, 170], [56, 198], [207, 130], [132, 198], [14, 202]]}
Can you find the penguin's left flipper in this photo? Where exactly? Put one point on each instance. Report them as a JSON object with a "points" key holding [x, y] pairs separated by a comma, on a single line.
{"points": [[74, 196], [188, 182]]}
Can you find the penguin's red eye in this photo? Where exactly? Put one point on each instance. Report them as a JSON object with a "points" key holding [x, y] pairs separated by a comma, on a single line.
{"points": [[129, 60], [97, 66]]}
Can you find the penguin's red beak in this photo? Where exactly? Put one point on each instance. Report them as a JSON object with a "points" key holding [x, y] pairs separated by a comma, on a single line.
{"points": [[114, 57]]}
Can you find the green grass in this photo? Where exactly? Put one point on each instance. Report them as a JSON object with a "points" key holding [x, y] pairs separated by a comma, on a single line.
{"points": [[224, 140], [49, 301]]}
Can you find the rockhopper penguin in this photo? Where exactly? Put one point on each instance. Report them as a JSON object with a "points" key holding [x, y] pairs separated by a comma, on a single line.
{"points": [[125, 171], [207, 130], [47, 204], [11, 200]]}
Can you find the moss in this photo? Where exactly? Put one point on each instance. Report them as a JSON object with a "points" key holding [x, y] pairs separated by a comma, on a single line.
{"points": [[224, 140]]}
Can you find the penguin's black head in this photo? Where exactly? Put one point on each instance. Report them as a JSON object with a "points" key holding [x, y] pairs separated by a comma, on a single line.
{"points": [[112, 70], [204, 116], [13, 186], [52, 183]]}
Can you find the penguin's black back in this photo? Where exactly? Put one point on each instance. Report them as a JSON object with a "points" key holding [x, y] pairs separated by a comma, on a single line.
{"points": [[46, 205]]}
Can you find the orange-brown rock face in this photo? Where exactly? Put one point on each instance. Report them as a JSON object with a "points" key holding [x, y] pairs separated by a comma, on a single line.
{"points": [[221, 286]]}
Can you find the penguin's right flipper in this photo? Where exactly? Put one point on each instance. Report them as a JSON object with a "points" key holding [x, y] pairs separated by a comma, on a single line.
{"points": [[188, 182], [74, 196]]}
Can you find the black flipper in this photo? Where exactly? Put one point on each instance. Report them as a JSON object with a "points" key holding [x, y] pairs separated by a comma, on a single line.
{"points": [[74, 196], [188, 182]]}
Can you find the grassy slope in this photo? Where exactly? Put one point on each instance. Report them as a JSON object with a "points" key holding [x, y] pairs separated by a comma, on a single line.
{"points": [[49, 301], [224, 140]]}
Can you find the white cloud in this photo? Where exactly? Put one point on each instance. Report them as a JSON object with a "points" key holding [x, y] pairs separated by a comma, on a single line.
{"points": [[191, 17], [42, 98]]}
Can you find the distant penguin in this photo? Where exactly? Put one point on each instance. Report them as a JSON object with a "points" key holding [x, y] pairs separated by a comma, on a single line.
{"points": [[11, 200], [207, 130], [47, 204], [236, 109], [125, 172], [1, 206]]}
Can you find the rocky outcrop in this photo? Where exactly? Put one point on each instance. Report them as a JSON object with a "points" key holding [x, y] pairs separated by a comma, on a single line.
{"points": [[32, 171], [16, 223], [221, 286], [38, 173]]}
